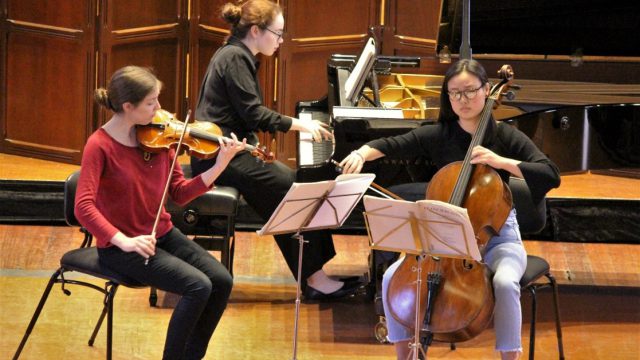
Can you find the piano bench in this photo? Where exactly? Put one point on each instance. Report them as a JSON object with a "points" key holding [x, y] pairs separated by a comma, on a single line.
{"points": [[210, 219]]}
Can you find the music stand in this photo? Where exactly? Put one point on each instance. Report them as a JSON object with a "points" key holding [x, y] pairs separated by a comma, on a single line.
{"points": [[424, 228], [315, 206]]}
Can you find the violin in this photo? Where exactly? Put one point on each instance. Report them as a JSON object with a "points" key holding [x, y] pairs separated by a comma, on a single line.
{"points": [[202, 138], [457, 303]]}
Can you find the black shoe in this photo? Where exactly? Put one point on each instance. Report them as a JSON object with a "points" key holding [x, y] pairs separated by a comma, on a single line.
{"points": [[349, 288]]}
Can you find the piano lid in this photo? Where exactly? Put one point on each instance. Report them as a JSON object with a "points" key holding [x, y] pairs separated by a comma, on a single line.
{"points": [[602, 138], [545, 27]]}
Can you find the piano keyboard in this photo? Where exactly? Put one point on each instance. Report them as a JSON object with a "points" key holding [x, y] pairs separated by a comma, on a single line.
{"points": [[309, 151]]}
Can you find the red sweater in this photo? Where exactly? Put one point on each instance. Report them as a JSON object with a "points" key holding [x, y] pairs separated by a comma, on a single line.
{"points": [[119, 191]]}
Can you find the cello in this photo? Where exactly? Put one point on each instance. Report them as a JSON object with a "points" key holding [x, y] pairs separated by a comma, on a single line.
{"points": [[457, 303]]}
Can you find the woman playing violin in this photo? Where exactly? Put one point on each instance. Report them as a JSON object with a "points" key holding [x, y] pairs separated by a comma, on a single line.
{"points": [[231, 97], [505, 149], [118, 195]]}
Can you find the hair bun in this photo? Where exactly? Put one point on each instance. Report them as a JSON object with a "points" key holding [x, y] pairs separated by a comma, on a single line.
{"points": [[101, 96], [232, 13]]}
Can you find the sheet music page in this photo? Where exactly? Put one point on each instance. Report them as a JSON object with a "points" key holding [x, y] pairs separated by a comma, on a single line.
{"points": [[368, 52], [428, 226], [389, 226], [347, 191], [297, 206], [449, 228]]}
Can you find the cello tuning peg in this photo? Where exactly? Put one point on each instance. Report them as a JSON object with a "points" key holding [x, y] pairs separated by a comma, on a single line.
{"points": [[510, 95]]}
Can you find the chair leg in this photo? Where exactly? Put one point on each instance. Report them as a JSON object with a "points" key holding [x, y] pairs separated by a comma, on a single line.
{"points": [[107, 311], [532, 331], [232, 249], [226, 252], [556, 304], [153, 297], [36, 314], [110, 297]]}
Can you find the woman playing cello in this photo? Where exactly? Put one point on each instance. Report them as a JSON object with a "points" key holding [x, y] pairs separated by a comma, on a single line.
{"points": [[505, 149]]}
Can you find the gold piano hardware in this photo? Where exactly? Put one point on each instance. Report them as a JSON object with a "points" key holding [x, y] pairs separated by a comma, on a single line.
{"points": [[417, 95]]}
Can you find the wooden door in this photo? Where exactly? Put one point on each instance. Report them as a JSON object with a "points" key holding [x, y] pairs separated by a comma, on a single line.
{"points": [[146, 33], [207, 32], [411, 29], [46, 74]]}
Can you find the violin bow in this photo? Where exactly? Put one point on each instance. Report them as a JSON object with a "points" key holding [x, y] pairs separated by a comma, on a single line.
{"points": [[166, 186]]}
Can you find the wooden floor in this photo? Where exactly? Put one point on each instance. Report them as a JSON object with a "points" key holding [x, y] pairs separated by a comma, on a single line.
{"points": [[599, 298]]}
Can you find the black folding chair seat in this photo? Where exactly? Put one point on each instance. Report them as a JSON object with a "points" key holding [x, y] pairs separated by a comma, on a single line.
{"points": [[85, 260]]}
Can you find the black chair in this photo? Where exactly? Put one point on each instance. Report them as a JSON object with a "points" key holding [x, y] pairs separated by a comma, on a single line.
{"points": [[532, 218], [210, 218], [83, 260]]}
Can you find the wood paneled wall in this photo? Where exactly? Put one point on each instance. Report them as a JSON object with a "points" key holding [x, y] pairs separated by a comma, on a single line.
{"points": [[55, 53], [47, 68]]}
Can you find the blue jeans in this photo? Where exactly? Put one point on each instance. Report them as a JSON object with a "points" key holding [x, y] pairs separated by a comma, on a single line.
{"points": [[182, 267], [506, 258]]}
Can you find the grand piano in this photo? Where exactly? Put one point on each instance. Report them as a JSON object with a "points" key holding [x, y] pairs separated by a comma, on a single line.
{"points": [[583, 127]]}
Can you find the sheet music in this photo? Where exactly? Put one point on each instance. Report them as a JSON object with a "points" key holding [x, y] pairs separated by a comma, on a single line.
{"points": [[358, 73], [427, 226], [344, 196], [317, 205]]}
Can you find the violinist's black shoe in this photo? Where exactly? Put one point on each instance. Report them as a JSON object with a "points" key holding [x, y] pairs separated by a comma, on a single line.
{"points": [[349, 288]]}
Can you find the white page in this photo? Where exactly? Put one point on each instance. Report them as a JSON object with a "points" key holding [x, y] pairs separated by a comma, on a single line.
{"points": [[368, 52], [442, 229], [302, 199], [448, 228], [388, 226], [344, 196], [292, 213]]}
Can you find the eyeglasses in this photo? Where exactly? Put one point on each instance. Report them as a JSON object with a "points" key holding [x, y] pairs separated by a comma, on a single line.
{"points": [[278, 34], [469, 94]]}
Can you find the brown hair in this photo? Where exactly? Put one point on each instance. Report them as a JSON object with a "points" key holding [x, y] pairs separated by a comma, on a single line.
{"points": [[242, 16], [128, 84]]}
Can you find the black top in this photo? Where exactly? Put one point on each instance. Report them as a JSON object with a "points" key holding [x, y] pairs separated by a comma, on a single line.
{"points": [[230, 95], [444, 147]]}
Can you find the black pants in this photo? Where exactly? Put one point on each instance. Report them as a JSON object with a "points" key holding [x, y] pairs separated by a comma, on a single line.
{"points": [[182, 267], [263, 186]]}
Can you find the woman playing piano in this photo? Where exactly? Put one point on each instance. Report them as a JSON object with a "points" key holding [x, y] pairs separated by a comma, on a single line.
{"points": [[231, 97], [507, 150]]}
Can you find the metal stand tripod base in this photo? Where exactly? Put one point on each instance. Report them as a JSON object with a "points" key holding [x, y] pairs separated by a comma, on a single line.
{"points": [[298, 293], [415, 345], [433, 281]]}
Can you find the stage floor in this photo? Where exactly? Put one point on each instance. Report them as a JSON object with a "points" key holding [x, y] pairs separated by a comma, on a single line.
{"points": [[599, 322], [599, 296]]}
